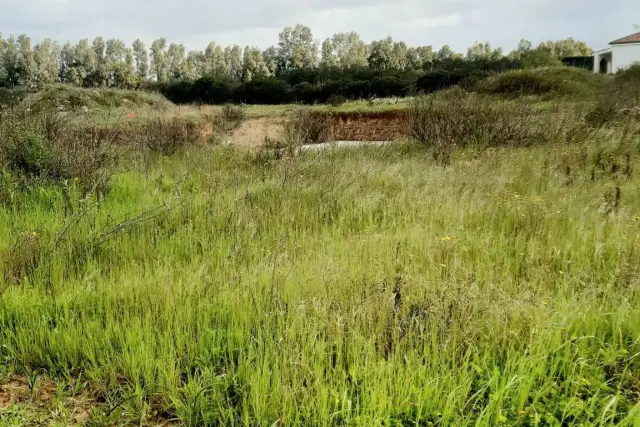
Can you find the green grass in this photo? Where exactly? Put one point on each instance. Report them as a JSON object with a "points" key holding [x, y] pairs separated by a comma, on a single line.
{"points": [[352, 287], [550, 82], [69, 97]]}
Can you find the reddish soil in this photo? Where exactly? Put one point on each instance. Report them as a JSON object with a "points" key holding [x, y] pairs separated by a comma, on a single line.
{"points": [[380, 126], [383, 126]]}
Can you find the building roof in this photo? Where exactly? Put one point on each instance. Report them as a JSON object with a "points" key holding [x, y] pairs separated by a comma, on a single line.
{"points": [[633, 38]]}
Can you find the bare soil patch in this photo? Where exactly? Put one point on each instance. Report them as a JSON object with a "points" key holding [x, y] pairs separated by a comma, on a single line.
{"points": [[377, 126], [254, 132], [380, 126]]}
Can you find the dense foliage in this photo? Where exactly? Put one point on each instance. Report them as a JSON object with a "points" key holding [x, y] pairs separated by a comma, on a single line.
{"points": [[112, 63]]}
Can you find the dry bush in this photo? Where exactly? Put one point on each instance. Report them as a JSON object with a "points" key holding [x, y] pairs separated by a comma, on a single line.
{"points": [[461, 120], [305, 127], [23, 258], [47, 147], [231, 117], [166, 135], [619, 101]]}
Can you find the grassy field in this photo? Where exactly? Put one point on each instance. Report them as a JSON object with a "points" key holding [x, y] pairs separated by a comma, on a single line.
{"points": [[393, 292], [373, 286]]}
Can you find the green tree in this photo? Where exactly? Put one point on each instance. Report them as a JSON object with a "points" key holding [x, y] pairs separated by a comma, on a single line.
{"points": [[3, 72], [215, 63], [159, 60], [118, 63], [270, 59], [10, 62], [476, 51], [445, 52], [399, 56], [141, 60], [77, 62], [27, 66], [98, 76], [566, 47], [47, 59], [252, 64], [233, 59], [328, 58], [176, 57], [296, 48], [381, 54], [194, 65], [419, 58], [524, 47], [99, 47], [349, 49]]}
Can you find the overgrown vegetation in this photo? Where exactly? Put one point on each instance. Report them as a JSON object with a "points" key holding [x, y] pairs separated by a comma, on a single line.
{"points": [[65, 97], [555, 81], [207, 285]]}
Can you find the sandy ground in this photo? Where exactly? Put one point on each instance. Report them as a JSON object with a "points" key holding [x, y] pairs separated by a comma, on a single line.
{"points": [[254, 132]]}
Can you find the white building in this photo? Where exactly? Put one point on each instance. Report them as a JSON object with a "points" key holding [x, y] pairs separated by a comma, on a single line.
{"points": [[622, 53]]}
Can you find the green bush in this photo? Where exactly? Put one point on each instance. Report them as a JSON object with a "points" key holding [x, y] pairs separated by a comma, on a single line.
{"points": [[66, 97], [29, 155], [48, 147], [541, 81], [12, 97]]}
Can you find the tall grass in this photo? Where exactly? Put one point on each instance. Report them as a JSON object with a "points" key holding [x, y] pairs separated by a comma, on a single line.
{"points": [[349, 287]]}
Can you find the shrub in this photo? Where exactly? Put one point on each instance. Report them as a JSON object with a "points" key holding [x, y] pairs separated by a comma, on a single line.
{"points": [[625, 87], [305, 127], [619, 99], [307, 93], [336, 100], [266, 90], [12, 97], [45, 147], [444, 121], [209, 90], [438, 80], [167, 135], [29, 155], [233, 115], [541, 81], [67, 97]]}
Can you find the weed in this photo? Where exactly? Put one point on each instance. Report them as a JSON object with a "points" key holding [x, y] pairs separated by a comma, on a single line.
{"points": [[23, 258], [305, 127], [462, 120]]}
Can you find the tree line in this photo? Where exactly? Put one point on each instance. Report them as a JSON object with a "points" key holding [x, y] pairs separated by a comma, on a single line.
{"points": [[111, 63]]}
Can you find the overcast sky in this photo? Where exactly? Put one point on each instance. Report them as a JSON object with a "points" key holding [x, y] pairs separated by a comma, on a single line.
{"points": [[458, 23]]}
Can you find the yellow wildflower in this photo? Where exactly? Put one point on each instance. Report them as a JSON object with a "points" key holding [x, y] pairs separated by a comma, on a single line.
{"points": [[446, 239]]}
